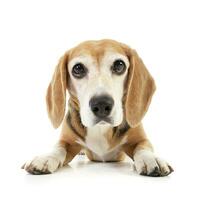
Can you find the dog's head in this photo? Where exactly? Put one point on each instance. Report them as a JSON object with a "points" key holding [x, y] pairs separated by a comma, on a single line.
{"points": [[109, 81]]}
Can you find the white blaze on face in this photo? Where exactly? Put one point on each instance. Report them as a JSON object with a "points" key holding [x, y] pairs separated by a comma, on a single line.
{"points": [[99, 81]]}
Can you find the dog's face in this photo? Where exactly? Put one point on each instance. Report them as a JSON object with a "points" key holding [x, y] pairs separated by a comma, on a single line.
{"points": [[97, 74], [108, 79]]}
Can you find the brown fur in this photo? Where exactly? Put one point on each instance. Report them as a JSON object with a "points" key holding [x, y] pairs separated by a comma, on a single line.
{"points": [[56, 93], [139, 90], [141, 87]]}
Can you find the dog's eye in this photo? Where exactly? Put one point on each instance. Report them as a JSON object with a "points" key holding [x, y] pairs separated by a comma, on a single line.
{"points": [[79, 70], [118, 67]]}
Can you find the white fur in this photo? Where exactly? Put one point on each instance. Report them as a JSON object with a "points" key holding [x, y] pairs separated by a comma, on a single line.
{"points": [[97, 143], [146, 162], [47, 163], [99, 80], [96, 140]]}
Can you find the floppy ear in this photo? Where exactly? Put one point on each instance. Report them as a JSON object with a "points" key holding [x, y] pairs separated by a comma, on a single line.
{"points": [[141, 87], [56, 93]]}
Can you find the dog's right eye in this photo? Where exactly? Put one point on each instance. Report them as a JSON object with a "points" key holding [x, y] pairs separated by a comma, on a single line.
{"points": [[79, 70]]}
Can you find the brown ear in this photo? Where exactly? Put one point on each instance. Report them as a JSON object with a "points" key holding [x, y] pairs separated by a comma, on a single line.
{"points": [[141, 87], [56, 93]]}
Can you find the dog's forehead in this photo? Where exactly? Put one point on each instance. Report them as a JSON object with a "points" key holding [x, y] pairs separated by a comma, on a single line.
{"points": [[96, 49]]}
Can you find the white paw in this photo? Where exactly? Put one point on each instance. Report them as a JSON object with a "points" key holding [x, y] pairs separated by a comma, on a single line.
{"points": [[42, 165], [146, 163]]}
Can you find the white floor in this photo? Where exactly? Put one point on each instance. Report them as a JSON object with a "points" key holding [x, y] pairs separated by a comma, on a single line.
{"points": [[83, 179]]}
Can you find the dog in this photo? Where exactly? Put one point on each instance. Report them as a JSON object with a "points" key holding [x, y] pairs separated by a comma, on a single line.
{"points": [[110, 91]]}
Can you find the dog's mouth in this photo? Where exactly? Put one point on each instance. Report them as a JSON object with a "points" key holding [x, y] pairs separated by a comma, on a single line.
{"points": [[103, 121]]}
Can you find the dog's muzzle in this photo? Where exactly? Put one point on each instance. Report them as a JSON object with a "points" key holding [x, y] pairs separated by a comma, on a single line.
{"points": [[101, 107]]}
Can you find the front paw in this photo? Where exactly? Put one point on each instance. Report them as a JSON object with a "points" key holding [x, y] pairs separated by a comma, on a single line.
{"points": [[42, 165], [146, 163]]}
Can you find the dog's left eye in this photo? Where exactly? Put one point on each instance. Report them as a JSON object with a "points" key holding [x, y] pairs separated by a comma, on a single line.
{"points": [[79, 70], [118, 67]]}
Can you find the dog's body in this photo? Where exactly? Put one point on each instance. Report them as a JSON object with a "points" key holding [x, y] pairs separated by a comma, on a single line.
{"points": [[110, 91]]}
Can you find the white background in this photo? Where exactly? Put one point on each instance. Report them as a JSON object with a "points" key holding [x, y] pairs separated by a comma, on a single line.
{"points": [[34, 34]]}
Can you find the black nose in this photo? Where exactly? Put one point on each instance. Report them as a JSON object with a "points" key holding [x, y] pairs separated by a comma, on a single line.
{"points": [[101, 106]]}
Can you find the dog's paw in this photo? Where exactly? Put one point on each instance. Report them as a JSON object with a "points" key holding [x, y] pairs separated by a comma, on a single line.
{"points": [[146, 163], [42, 165]]}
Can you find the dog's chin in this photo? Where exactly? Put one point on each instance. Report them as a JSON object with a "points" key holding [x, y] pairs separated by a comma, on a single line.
{"points": [[102, 122], [98, 122], [92, 121]]}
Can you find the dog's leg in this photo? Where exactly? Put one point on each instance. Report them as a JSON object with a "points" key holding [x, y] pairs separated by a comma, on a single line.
{"points": [[147, 163], [65, 150], [141, 151], [50, 162]]}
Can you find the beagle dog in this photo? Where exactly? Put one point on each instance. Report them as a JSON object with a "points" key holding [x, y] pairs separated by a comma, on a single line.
{"points": [[110, 90]]}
